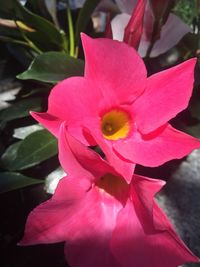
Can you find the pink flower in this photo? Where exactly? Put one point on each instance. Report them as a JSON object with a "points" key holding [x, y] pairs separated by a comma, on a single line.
{"points": [[116, 107], [171, 33], [104, 221]]}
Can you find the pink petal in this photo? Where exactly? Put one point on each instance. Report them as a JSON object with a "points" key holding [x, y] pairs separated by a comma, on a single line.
{"points": [[136, 242], [82, 217], [53, 124], [106, 65], [77, 159], [120, 164], [167, 93], [157, 148], [172, 32], [92, 248], [143, 190], [77, 212], [90, 253], [55, 219], [79, 209], [133, 30], [71, 100], [49, 121]]}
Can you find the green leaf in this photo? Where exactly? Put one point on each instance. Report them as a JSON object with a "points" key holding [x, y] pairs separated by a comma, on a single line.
{"points": [[20, 109], [34, 149], [84, 17], [45, 36], [11, 40], [53, 67], [12, 180], [38, 7], [23, 132], [10, 155]]}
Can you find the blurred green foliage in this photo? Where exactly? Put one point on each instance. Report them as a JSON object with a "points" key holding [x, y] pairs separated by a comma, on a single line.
{"points": [[186, 10]]}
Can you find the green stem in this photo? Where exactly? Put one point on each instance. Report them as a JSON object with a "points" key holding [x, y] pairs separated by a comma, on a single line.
{"points": [[10, 40], [65, 42], [29, 42], [33, 46], [71, 33]]}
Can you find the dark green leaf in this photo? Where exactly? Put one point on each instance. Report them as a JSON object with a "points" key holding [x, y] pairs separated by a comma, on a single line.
{"points": [[38, 7], [11, 40], [45, 36], [53, 67], [84, 17], [35, 148], [10, 155], [12, 180], [23, 132], [20, 109]]}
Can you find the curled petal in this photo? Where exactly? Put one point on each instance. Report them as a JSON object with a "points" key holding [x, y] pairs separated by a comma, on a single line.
{"points": [[77, 159], [122, 166], [133, 247], [143, 190], [49, 121]]}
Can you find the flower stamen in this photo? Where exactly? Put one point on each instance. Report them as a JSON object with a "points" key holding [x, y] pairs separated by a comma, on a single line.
{"points": [[115, 124]]}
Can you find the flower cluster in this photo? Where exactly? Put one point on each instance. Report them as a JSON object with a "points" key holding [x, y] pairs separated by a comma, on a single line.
{"points": [[106, 214]]}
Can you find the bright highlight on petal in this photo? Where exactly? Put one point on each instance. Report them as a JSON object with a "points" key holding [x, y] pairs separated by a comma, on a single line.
{"points": [[115, 124]]}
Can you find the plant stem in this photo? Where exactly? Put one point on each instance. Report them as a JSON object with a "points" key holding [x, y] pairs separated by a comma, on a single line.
{"points": [[71, 33], [29, 42]]}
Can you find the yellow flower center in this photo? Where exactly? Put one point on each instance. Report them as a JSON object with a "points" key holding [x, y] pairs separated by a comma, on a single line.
{"points": [[115, 124], [113, 185]]}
